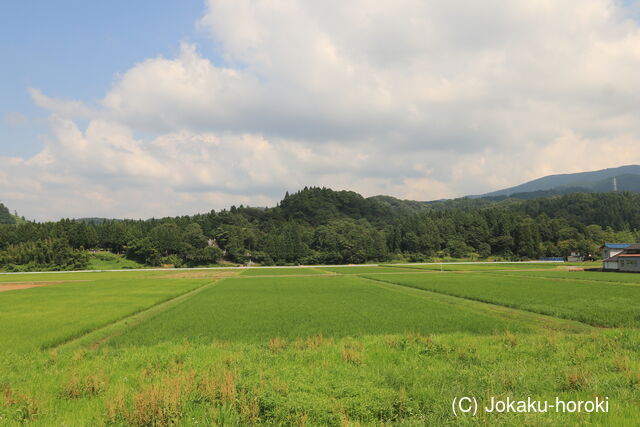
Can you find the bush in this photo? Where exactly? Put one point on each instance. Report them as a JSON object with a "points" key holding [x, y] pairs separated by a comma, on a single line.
{"points": [[171, 260]]}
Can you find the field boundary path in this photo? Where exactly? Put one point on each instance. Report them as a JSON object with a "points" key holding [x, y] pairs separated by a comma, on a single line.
{"points": [[282, 266], [97, 337], [531, 318]]}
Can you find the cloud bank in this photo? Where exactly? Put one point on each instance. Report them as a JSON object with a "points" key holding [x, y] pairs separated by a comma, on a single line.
{"points": [[416, 99]]}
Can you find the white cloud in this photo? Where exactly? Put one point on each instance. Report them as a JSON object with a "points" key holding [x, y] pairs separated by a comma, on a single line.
{"points": [[66, 108], [418, 99]]}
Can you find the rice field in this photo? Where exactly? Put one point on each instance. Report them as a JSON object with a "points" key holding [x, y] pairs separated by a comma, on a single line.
{"points": [[365, 269], [596, 276], [44, 316], [499, 266], [274, 271], [600, 304], [298, 307], [337, 346]]}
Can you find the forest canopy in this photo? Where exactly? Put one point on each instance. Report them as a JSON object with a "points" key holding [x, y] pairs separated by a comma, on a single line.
{"points": [[322, 226]]}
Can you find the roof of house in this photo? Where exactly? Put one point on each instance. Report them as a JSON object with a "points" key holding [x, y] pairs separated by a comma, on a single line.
{"points": [[628, 255], [617, 245], [634, 246]]}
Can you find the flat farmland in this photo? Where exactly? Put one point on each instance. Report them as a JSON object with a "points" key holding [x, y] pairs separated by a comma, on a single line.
{"points": [[274, 271], [298, 307], [599, 304], [67, 306], [596, 276], [314, 346], [363, 269], [484, 267]]}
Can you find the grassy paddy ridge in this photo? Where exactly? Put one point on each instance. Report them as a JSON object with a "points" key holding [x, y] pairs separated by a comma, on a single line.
{"points": [[251, 347]]}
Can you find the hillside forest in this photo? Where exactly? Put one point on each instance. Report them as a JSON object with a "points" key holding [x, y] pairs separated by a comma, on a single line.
{"points": [[322, 226]]}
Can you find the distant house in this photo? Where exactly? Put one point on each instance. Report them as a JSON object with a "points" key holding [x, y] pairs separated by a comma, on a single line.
{"points": [[575, 257], [612, 249], [628, 260]]}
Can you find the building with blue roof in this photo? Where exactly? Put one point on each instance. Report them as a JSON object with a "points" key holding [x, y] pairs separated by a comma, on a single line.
{"points": [[612, 249]]}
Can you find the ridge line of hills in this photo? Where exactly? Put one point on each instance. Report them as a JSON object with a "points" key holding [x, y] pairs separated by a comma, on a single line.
{"points": [[627, 178], [322, 226]]}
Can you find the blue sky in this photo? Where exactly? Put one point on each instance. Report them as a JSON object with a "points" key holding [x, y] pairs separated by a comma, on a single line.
{"points": [[74, 49], [149, 108]]}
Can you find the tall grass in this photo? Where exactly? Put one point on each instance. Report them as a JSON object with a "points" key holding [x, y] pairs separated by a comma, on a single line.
{"points": [[394, 379]]}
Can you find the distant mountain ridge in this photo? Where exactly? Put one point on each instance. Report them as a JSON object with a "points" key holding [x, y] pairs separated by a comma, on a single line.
{"points": [[627, 179], [312, 203]]}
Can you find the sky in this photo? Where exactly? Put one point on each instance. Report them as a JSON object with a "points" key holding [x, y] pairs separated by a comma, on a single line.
{"points": [[155, 107]]}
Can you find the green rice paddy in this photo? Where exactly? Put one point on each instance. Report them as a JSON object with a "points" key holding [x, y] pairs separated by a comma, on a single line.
{"points": [[274, 271], [389, 345], [599, 304], [298, 307]]}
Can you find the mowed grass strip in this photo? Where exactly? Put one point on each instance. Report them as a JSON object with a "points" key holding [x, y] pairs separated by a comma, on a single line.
{"points": [[46, 316], [256, 310], [597, 304], [286, 271]]}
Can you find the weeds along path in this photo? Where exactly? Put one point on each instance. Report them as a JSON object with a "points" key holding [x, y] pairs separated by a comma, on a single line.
{"points": [[97, 337], [532, 319]]}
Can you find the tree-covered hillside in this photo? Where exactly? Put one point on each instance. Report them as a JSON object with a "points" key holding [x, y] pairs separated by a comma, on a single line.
{"points": [[5, 215], [322, 226]]}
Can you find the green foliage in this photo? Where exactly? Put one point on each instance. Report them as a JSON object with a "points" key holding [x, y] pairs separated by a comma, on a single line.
{"points": [[103, 260], [49, 254], [322, 226], [5, 215]]}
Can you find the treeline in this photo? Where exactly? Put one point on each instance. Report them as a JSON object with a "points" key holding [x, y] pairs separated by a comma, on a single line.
{"points": [[322, 226], [5, 215]]}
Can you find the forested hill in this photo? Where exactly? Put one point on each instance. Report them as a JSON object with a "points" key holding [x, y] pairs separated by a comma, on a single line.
{"points": [[5, 215], [322, 226]]}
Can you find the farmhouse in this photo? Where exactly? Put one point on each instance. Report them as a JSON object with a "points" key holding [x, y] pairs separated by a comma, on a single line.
{"points": [[628, 260], [612, 249]]}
